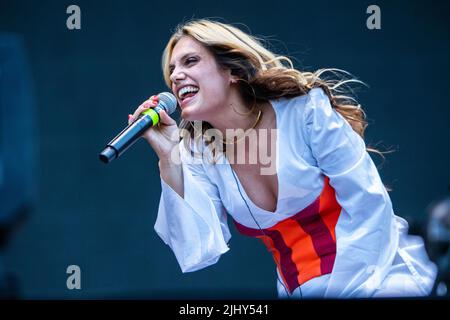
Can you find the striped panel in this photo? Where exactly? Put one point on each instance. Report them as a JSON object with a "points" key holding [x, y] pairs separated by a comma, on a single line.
{"points": [[304, 245]]}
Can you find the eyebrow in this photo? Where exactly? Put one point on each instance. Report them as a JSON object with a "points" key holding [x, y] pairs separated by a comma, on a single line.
{"points": [[182, 58]]}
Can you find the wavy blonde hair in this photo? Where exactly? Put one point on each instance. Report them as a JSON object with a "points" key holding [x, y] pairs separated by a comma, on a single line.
{"points": [[264, 74]]}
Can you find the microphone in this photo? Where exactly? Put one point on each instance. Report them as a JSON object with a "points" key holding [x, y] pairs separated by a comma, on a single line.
{"points": [[149, 118]]}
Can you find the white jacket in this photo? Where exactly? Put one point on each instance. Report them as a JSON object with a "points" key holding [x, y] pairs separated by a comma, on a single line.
{"points": [[374, 255]]}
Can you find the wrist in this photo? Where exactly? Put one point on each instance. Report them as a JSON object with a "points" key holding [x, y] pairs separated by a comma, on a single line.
{"points": [[167, 163]]}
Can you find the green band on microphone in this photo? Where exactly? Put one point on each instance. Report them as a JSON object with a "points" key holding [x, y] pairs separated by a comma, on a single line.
{"points": [[153, 114]]}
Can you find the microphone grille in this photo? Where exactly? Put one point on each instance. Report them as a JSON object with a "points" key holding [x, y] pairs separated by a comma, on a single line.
{"points": [[168, 102]]}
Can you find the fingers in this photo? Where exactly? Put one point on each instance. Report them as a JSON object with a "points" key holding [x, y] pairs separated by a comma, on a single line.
{"points": [[165, 118], [150, 103]]}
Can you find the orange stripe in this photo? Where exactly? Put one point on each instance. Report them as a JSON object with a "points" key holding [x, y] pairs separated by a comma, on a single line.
{"points": [[304, 255], [296, 241]]}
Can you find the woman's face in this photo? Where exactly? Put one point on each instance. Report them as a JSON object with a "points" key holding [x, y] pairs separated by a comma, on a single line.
{"points": [[206, 85]]}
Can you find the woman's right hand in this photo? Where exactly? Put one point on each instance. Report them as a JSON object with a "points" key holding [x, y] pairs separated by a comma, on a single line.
{"points": [[162, 137]]}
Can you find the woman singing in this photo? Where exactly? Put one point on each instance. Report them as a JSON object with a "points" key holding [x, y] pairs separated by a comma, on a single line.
{"points": [[282, 152]]}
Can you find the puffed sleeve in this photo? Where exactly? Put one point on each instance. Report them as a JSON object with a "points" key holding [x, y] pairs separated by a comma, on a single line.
{"points": [[367, 236], [194, 227]]}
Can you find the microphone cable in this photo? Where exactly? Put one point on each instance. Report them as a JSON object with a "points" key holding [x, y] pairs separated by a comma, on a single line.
{"points": [[254, 219]]}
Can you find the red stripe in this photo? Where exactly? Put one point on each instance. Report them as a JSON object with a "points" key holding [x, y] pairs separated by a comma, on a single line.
{"points": [[303, 253], [321, 237], [286, 264], [248, 231]]}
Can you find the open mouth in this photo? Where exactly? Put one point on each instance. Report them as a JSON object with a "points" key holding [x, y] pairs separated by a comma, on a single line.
{"points": [[187, 92]]}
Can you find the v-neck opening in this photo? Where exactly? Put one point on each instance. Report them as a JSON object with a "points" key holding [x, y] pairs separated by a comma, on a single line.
{"points": [[241, 186]]}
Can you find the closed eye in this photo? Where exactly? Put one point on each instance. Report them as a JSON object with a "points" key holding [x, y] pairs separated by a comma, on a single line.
{"points": [[188, 61], [191, 60]]}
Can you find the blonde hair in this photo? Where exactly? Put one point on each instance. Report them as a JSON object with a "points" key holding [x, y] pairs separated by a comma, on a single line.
{"points": [[264, 74]]}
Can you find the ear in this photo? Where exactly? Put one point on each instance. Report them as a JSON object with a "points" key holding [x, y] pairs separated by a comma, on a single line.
{"points": [[233, 79]]}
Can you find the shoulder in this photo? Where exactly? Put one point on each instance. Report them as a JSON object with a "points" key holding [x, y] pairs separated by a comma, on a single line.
{"points": [[300, 112], [302, 105], [318, 106]]}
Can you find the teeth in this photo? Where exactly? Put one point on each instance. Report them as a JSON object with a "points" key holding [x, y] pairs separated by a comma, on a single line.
{"points": [[187, 89]]}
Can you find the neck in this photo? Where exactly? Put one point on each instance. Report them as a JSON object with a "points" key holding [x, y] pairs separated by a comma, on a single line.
{"points": [[229, 119]]}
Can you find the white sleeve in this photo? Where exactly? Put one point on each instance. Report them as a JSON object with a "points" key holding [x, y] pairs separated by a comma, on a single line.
{"points": [[341, 155], [195, 228], [366, 231]]}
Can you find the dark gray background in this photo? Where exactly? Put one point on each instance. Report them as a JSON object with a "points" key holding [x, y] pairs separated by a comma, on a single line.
{"points": [[87, 81]]}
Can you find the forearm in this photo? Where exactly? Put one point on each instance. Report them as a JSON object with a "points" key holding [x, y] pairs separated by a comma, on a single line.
{"points": [[172, 174]]}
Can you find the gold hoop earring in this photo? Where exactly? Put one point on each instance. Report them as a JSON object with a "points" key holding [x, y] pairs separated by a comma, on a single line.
{"points": [[243, 113]]}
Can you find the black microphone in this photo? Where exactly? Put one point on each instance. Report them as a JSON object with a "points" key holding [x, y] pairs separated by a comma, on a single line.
{"points": [[149, 118]]}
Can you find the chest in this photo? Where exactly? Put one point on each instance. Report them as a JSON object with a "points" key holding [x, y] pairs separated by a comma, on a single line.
{"points": [[254, 166], [274, 188], [262, 190]]}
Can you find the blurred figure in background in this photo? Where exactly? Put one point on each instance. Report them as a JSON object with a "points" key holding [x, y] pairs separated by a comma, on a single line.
{"points": [[18, 149], [438, 244]]}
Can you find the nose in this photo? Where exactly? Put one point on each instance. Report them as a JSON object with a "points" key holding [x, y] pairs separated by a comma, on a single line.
{"points": [[176, 76]]}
